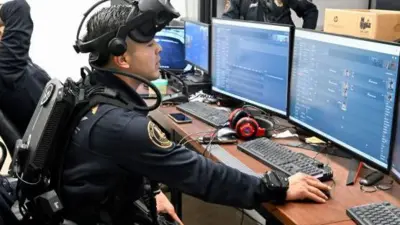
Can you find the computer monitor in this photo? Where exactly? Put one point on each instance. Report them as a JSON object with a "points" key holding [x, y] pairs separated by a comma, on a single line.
{"points": [[197, 44], [250, 62], [172, 41], [344, 89]]}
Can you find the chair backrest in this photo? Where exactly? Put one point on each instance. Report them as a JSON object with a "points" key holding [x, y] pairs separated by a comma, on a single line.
{"points": [[8, 132]]}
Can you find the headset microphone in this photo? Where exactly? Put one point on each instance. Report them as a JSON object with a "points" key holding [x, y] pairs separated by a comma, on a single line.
{"points": [[146, 18]]}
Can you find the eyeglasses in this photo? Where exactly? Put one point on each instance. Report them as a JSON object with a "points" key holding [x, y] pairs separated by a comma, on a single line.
{"points": [[382, 186]]}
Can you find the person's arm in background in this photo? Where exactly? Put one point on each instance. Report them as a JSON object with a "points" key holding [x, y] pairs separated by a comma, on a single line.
{"points": [[15, 43], [306, 10], [232, 9]]}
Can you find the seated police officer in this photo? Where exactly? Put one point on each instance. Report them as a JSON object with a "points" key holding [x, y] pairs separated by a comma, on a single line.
{"points": [[21, 81], [114, 148], [273, 11]]}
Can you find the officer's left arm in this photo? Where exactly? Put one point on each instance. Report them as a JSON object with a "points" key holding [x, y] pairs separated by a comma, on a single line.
{"points": [[307, 10], [144, 149]]}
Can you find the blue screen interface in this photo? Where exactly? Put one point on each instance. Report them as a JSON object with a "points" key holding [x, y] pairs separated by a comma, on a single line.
{"points": [[344, 90], [172, 41], [196, 44], [250, 62]]}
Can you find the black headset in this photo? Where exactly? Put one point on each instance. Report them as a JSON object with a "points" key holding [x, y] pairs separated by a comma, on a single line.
{"points": [[151, 17]]}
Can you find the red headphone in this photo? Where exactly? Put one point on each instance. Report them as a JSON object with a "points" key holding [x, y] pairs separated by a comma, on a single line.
{"points": [[248, 127]]}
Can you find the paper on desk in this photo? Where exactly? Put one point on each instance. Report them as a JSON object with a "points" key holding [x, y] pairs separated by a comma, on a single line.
{"points": [[314, 140], [286, 134]]}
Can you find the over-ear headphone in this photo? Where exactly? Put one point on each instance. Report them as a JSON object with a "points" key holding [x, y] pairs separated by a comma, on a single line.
{"points": [[247, 126], [117, 46]]}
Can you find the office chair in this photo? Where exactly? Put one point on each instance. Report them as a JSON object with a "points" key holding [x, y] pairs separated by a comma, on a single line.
{"points": [[8, 132]]}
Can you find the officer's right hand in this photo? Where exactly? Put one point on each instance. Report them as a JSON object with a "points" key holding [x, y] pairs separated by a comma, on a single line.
{"points": [[302, 186]]}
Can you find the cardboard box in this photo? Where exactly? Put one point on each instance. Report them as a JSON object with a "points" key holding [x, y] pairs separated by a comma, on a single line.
{"points": [[375, 24]]}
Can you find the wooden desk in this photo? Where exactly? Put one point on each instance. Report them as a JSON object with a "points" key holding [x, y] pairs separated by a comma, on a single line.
{"points": [[333, 212], [344, 223]]}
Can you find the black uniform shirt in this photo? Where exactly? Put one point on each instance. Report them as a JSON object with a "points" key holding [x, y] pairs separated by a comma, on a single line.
{"points": [[115, 147]]}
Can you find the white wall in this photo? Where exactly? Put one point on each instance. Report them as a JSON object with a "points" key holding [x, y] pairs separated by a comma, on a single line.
{"points": [[55, 31], [54, 35]]}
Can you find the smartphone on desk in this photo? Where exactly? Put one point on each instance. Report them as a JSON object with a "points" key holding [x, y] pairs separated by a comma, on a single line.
{"points": [[216, 140], [179, 118]]}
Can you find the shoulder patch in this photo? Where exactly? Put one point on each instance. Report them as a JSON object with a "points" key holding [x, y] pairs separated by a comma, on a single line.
{"points": [[157, 136], [227, 5]]}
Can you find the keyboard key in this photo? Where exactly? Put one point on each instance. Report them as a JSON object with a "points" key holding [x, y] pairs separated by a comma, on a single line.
{"points": [[375, 214]]}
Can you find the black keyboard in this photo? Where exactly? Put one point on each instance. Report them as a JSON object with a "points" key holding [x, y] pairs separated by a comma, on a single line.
{"points": [[285, 160], [382, 213], [205, 113]]}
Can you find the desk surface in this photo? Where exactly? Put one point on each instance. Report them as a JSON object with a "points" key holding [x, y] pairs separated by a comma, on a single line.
{"points": [[333, 212]]}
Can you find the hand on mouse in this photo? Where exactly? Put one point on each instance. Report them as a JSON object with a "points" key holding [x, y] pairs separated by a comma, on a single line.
{"points": [[302, 186]]}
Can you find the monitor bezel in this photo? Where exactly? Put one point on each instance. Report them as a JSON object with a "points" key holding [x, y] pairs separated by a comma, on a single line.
{"points": [[391, 172], [394, 122], [179, 28], [208, 26], [272, 111], [394, 176]]}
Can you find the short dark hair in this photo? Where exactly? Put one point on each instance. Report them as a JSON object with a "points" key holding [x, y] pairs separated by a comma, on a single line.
{"points": [[105, 20]]}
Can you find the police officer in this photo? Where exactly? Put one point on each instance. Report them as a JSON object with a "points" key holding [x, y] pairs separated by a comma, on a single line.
{"points": [[21, 81], [114, 148], [274, 11]]}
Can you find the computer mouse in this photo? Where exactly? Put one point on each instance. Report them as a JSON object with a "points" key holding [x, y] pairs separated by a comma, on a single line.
{"points": [[327, 193], [226, 132]]}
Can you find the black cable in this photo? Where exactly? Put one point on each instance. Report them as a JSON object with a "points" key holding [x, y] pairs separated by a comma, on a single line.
{"points": [[242, 219], [327, 145], [184, 87], [151, 85], [3, 154]]}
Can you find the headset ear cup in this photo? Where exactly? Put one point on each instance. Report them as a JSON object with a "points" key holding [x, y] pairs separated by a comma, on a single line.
{"points": [[117, 46], [246, 128], [235, 116]]}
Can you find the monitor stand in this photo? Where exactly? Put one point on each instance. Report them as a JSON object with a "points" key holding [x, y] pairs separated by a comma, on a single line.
{"points": [[354, 166]]}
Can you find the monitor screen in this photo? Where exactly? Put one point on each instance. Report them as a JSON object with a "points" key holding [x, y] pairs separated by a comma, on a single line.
{"points": [[250, 62], [172, 41], [344, 89], [196, 44]]}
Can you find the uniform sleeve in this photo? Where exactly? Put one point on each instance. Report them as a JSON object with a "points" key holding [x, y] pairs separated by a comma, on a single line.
{"points": [[232, 10], [307, 10], [15, 43], [146, 150]]}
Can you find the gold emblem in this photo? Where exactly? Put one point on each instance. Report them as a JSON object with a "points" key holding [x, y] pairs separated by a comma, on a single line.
{"points": [[279, 3], [157, 136], [94, 109]]}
